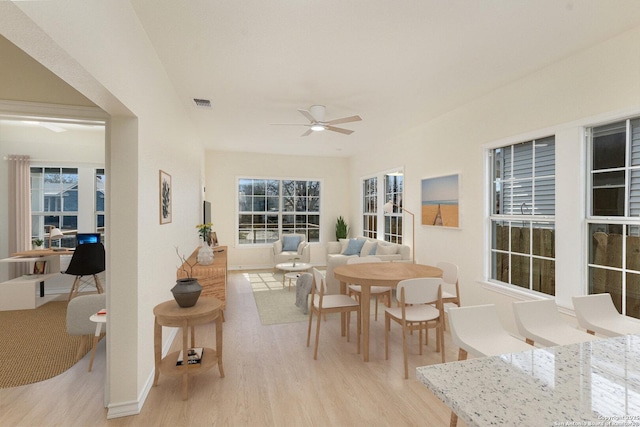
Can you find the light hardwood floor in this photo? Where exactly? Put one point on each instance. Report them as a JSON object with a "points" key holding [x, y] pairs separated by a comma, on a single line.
{"points": [[270, 379]]}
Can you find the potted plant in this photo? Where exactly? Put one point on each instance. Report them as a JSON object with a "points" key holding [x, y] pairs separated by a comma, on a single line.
{"points": [[204, 230], [342, 229], [205, 253], [37, 244]]}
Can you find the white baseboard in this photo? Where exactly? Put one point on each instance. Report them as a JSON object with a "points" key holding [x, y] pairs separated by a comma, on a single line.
{"points": [[126, 409]]}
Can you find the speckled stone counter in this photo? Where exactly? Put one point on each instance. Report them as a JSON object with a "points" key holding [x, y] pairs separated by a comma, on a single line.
{"points": [[590, 384]]}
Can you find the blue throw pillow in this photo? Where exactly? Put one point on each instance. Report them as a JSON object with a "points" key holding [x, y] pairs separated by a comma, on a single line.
{"points": [[290, 242], [354, 247]]}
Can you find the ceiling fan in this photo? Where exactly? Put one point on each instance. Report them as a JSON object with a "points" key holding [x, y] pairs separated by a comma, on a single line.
{"points": [[315, 115]]}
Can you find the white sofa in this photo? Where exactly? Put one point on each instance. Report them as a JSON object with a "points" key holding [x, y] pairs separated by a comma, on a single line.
{"points": [[281, 254], [339, 252]]}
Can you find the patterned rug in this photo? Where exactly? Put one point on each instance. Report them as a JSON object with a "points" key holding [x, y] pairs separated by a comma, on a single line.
{"points": [[275, 304], [35, 344]]}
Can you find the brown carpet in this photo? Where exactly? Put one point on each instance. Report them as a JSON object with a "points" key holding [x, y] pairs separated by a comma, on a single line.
{"points": [[35, 345]]}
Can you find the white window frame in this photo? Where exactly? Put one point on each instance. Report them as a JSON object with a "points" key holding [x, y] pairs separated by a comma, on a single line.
{"points": [[86, 214], [372, 213], [381, 216], [38, 216], [279, 213], [625, 221], [532, 219], [100, 212], [396, 216]]}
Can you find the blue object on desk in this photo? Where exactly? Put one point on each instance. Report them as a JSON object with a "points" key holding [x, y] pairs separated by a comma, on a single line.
{"points": [[83, 238]]}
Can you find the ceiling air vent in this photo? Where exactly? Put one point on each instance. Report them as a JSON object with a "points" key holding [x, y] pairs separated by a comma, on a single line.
{"points": [[202, 103]]}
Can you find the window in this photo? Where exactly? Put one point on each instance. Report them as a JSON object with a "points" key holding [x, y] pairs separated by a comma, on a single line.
{"points": [[373, 215], [268, 208], [522, 218], [370, 207], [393, 186], [100, 200], [613, 219], [54, 202], [57, 195]]}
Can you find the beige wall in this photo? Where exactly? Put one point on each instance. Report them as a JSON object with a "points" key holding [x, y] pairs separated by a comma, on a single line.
{"points": [[598, 84], [33, 82], [82, 147], [24, 79], [149, 131], [222, 172], [114, 66]]}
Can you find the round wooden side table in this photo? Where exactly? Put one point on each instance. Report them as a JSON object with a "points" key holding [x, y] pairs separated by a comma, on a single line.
{"points": [[169, 313]]}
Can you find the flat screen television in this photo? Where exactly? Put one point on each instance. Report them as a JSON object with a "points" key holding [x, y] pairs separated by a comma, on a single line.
{"points": [[82, 238], [206, 212]]}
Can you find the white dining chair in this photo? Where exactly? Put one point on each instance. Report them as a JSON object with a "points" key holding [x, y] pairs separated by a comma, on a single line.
{"points": [[540, 323], [322, 304], [477, 330], [376, 291], [450, 287], [420, 309], [597, 314]]}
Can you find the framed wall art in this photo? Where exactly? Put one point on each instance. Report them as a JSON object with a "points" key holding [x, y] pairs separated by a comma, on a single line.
{"points": [[165, 197], [440, 201], [39, 267]]}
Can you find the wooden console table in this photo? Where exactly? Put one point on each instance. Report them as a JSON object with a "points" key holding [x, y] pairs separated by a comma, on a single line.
{"points": [[213, 277], [169, 313]]}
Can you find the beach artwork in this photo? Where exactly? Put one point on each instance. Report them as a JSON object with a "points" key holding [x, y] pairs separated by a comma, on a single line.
{"points": [[440, 201]]}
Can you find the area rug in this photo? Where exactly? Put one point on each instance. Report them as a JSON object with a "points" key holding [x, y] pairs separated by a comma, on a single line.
{"points": [[275, 304], [35, 344]]}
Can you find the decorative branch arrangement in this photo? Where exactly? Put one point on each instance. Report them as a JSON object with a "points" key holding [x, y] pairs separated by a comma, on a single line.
{"points": [[184, 261]]}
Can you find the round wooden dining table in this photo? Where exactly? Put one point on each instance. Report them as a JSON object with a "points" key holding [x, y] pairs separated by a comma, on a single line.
{"points": [[377, 274]]}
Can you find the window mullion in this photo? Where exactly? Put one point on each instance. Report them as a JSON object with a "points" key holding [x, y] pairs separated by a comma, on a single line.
{"points": [[625, 231], [627, 172], [281, 208]]}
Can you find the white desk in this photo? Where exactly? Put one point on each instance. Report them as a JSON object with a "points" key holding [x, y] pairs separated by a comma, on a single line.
{"points": [[27, 292], [596, 381]]}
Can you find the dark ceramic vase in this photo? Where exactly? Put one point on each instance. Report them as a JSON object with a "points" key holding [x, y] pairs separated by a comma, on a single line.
{"points": [[186, 292]]}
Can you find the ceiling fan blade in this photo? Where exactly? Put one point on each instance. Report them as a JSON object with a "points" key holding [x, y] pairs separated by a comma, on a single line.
{"points": [[307, 115], [308, 132], [344, 120], [340, 130]]}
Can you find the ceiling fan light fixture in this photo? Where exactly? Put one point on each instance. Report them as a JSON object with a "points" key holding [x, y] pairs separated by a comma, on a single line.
{"points": [[318, 127]]}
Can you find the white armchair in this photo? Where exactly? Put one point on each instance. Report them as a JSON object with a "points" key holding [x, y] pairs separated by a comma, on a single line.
{"points": [[291, 246]]}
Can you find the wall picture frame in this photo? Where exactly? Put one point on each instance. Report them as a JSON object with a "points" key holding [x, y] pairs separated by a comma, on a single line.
{"points": [[165, 198], [440, 201]]}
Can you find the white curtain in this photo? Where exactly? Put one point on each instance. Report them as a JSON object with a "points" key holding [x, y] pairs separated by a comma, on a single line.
{"points": [[19, 210]]}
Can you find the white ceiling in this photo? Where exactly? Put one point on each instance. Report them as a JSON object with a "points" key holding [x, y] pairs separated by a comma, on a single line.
{"points": [[395, 63]]}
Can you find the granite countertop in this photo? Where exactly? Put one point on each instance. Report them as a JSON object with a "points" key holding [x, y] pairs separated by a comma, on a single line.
{"points": [[589, 384]]}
